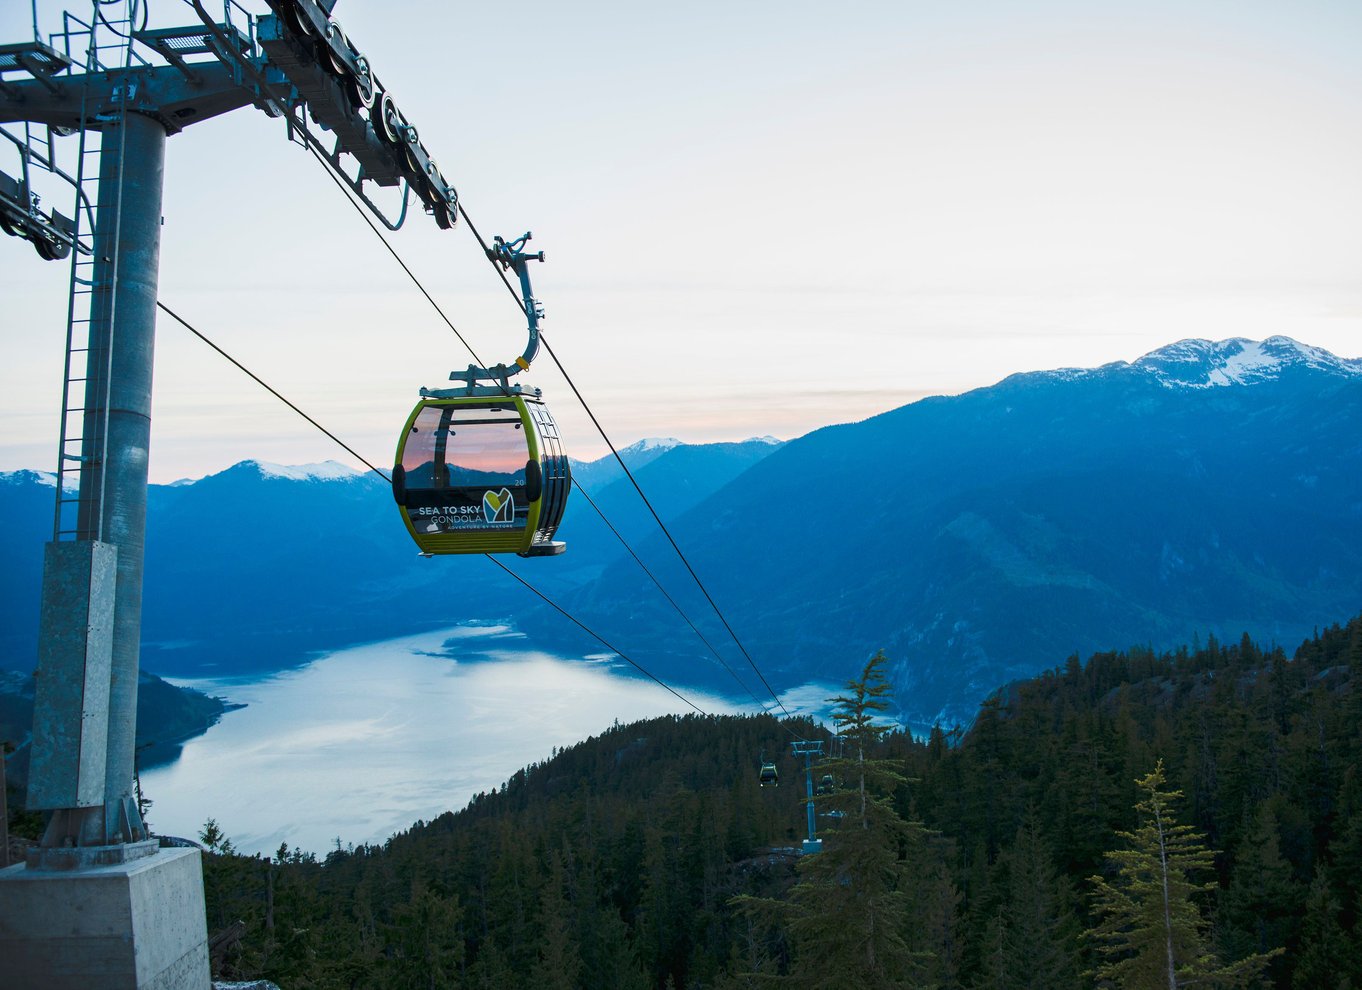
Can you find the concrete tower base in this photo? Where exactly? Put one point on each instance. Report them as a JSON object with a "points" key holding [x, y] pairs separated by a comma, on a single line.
{"points": [[138, 925]]}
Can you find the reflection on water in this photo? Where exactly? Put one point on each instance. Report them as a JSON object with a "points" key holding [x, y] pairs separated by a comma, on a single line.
{"points": [[362, 743]]}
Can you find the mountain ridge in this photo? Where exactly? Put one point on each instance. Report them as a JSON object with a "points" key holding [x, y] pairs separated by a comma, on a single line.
{"points": [[971, 536], [313, 558], [1044, 515], [1197, 362]]}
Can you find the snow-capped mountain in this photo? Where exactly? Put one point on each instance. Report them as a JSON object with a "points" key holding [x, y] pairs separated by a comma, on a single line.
{"points": [[46, 478], [647, 444], [975, 538], [1199, 363], [982, 537], [1207, 364], [325, 471], [596, 475]]}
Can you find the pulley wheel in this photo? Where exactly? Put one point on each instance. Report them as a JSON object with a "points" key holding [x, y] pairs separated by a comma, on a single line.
{"points": [[334, 61], [410, 151], [389, 123], [362, 86], [300, 24], [51, 250]]}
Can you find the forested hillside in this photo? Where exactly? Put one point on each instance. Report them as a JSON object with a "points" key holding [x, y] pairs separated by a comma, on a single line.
{"points": [[644, 857]]}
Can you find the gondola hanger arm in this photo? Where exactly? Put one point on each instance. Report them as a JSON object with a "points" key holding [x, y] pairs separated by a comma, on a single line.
{"points": [[512, 256]]}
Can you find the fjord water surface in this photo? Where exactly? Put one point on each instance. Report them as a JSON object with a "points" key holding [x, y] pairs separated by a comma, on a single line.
{"points": [[361, 743]]}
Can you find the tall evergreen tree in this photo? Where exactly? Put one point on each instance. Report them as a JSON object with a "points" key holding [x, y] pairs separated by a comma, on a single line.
{"points": [[995, 959], [1150, 934], [1261, 907], [427, 946], [1039, 948], [559, 964], [490, 971], [849, 911], [1326, 959], [933, 919], [1345, 853]]}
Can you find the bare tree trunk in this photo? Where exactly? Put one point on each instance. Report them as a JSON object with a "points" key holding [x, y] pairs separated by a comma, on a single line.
{"points": [[269, 896], [1167, 910]]}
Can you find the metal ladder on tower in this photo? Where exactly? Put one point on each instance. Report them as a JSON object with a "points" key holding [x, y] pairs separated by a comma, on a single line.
{"points": [[83, 443]]}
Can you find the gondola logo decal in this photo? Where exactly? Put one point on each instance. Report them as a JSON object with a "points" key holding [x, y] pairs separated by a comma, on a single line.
{"points": [[498, 507]]}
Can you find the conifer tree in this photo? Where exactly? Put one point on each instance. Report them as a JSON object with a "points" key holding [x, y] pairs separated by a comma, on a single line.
{"points": [[490, 971], [847, 915], [559, 963], [995, 962], [1345, 852], [935, 904], [1150, 934], [1039, 950], [427, 947], [214, 839], [1326, 959], [1262, 904]]}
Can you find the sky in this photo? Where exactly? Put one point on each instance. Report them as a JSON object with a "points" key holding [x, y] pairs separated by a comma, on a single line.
{"points": [[759, 218]]}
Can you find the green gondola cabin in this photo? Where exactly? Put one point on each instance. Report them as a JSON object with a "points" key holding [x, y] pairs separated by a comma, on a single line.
{"points": [[482, 474]]}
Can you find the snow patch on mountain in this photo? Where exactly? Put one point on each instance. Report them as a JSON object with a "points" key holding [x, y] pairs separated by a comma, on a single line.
{"points": [[46, 478], [325, 471], [1198, 363], [660, 444]]}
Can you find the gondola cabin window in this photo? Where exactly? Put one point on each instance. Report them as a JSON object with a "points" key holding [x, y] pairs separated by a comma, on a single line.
{"points": [[465, 469]]}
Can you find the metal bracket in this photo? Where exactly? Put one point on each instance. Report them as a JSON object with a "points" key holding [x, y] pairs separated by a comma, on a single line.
{"points": [[40, 61], [52, 235], [173, 44], [268, 79], [473, 390]]}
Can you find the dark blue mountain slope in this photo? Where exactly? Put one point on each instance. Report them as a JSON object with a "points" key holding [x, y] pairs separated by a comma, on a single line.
{"points": [[258, 567], [1205, 488]]}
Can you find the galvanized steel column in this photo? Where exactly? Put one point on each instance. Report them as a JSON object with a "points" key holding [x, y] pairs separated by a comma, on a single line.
{"points": [[122, 341]]}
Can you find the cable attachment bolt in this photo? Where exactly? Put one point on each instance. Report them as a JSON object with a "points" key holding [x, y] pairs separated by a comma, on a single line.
{"points": [[510, 255]]}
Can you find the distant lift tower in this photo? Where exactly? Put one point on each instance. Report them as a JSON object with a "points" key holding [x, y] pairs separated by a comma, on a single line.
{"points": [[99, 903], [809, 749]]}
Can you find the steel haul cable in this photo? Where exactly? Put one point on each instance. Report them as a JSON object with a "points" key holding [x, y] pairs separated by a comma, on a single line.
{"points": [[263, 384], [666, 594], [571, 618], [562, 611], [601, 430], [627, 473]]}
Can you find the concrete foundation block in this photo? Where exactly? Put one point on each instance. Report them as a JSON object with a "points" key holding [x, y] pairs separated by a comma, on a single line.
{"points": [[138, 925]]}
